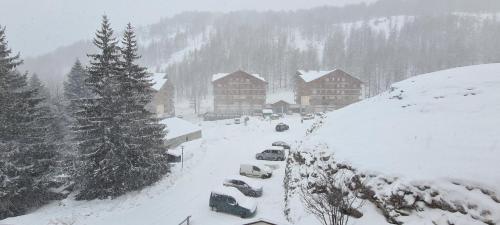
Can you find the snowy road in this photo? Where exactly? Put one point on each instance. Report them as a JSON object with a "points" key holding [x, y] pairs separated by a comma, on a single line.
{"points": [[186, 193]]}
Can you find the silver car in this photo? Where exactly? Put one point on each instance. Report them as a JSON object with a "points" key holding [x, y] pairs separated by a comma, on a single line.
{"points": [[246, 187], [272, 154]]}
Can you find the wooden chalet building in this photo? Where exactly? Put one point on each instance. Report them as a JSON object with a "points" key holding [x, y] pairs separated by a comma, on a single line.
{"points": [[326, 90], [238, 92], [163, 98]]}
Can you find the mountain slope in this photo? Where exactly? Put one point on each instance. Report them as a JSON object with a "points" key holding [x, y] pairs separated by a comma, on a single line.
{"points": [[439, 125], [425, 152]]}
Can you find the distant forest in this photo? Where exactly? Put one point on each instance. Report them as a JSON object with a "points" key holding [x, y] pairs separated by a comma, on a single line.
{"points": [[381, 43]]}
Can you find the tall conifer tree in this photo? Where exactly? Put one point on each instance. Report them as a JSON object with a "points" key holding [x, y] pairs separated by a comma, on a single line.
{"points": [[26, 155], [145, 143]]}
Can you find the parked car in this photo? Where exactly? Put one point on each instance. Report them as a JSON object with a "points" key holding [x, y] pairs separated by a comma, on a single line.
{"points": [[321, 114], [230, 200], [282, 127], [237, 120], [308, 117], [275, 117], [250, 170], [281, 144], [273, 154], [245, 186], [180, 116]]}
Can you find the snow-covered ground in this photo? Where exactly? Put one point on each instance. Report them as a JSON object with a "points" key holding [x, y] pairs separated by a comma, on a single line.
{"points": [[440, 130], [186, 192], [443, 125]]}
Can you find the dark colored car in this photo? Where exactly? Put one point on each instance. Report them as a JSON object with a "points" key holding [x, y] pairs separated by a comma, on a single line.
{"points": [[282, 127], [275, 154], [230, 200], [281, 144], [246, 187]]}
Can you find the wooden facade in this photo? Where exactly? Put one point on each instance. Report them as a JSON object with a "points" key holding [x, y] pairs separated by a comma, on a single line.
{"points": [[326, 90], [238, 92], [163, 98]]}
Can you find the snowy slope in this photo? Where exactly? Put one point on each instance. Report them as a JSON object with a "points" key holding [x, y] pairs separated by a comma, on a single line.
{"points": [[442, 125]]}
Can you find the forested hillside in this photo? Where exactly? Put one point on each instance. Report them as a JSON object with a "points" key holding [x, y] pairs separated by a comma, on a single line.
{"points": [[382, 43]]}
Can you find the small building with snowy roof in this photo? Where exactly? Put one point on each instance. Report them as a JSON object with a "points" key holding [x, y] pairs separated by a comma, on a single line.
{"points": [[163, 99], [239, 93], [264, 222], [180, 131], [281, 102], [326, 90]]}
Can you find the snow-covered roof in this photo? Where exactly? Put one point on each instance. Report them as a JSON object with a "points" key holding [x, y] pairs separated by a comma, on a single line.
{"points": [[219, 76], [242, 200], [311, 75], [286, 96], [178, 127], [267, 111], [159, 79], [255, 221]]}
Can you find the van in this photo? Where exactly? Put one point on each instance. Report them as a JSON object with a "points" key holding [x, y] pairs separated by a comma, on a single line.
{"points": [[250, 170], [230, 200], [272, 154]]}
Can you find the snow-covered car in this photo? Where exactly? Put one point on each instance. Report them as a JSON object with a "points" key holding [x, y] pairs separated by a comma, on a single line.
{"points": [[308, 117], [230, 200], [275, 117], [281, 144], [272, 154], [282, 127], [245, 186], [251, 170], [237, 121], [180, 116], [321, 114]]}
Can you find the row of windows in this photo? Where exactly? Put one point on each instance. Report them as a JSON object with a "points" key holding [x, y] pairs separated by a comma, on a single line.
{"points": [[240, 102], [332, 99], [249, 97], [240, 85], [335, 79], [334, 92], [239, 92], [338, 85]]}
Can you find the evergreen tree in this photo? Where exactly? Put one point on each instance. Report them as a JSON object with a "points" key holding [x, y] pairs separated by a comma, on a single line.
{"points": [[26, 155], [145, 134], [118, 141], [102, 159], [75, 87]]}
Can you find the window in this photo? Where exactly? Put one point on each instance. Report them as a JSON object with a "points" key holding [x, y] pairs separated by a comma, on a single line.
{"points": [[231, 201], [256, 168]]}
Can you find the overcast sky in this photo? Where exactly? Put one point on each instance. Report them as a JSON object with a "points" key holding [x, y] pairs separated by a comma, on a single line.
{"points": [[38, 26]]}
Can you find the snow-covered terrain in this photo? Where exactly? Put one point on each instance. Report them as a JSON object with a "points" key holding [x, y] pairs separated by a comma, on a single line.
{"points": [[432, 140], [439, 130], [438, 125], [186, 191]]}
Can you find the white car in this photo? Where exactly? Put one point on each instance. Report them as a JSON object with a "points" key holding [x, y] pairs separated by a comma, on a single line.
{"points": [[237, 121], [251, 170], [308, 117]]}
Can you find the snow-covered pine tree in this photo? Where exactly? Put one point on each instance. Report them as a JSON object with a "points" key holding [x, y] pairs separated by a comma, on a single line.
{"points": [[145, 142], [75, 89], [118, 140], [26, 157], [103, 168]]}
